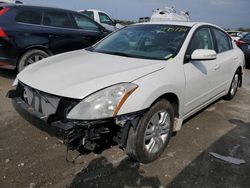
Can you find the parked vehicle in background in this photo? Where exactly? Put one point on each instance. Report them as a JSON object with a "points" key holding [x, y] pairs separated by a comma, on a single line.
{"points": [[135, 87], [102, 18], [10, 1], [244, 44], [31, 33], [144, 19], [235, 35]]}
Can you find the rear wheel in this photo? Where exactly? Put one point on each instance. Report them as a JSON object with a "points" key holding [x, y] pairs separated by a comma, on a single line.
{"points": [[150, 138], [234, 86], [31, 57]]}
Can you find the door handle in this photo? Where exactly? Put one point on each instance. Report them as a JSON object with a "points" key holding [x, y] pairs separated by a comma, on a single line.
{"points": [[216, 67]]}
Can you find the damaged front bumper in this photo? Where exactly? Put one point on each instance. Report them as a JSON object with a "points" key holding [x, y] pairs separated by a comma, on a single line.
{"points": [[76, 133]]}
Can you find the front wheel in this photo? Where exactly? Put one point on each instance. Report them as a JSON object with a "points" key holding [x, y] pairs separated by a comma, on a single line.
{"points": [[234, 86], [150, 138]]}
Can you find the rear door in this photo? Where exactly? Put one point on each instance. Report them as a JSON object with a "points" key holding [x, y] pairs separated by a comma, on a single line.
{"points": [[227, 59], [59, 30], [88, 31]]}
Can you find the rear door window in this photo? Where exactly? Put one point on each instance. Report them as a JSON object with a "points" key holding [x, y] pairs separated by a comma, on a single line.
{"points": [[85, 23], [56, 19], [29, 16]]}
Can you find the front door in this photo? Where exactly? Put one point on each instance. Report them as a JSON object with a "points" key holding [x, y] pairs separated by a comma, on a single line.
{"points": [[200, 75]]}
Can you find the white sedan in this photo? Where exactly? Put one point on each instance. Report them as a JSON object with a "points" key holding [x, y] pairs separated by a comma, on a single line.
{"points": [[135, 87]]}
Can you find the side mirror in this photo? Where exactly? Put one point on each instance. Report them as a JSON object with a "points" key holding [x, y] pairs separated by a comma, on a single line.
{"points": [[203, 54], [114, 22]]}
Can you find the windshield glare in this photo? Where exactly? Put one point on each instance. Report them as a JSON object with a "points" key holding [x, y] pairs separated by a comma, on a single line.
{"points": [[159, 42]]}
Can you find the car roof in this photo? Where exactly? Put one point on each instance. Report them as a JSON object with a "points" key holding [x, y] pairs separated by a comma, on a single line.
{"points": [[32, 6], [94, 10], [179, 23]]}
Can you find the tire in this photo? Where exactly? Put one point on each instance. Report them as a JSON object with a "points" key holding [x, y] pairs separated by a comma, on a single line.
{"points": [[157, 124], [29, 57], [234, 86]]}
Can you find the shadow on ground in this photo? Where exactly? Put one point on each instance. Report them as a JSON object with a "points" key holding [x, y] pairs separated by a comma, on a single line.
{"points": [[207, 171], [9, 74], [101, 173]]}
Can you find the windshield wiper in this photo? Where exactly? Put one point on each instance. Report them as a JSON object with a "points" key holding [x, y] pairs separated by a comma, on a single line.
{"points": [[169, 56], [119, 53]]}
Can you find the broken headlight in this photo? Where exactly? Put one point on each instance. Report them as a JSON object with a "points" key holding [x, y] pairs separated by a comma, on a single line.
{"points": [[102, 104]]}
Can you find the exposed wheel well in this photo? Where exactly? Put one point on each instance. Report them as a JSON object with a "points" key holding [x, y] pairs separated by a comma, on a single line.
{"points": [[173, 99]]}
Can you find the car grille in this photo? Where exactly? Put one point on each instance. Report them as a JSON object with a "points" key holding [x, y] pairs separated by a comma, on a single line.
{"points": [[42, 102]]}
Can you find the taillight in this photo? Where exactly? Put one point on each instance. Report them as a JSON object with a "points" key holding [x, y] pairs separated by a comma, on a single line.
{"points": [[3, 11], [240, 42], [2, 33]]}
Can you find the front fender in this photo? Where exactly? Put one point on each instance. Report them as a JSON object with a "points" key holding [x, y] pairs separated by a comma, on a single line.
{"points": [[151, 88]]}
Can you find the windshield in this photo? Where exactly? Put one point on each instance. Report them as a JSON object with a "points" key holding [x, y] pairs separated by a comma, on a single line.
{"points": [[159, 42]]}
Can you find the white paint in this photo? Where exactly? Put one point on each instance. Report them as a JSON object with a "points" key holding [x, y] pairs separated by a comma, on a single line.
{"points": [[196, 84]]}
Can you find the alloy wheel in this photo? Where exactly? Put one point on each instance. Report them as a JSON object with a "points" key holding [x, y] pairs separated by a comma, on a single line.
{"points": [[157, 131]]}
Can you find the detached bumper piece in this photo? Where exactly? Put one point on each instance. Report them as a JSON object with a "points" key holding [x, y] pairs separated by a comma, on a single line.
{"points": [[48, 113]]}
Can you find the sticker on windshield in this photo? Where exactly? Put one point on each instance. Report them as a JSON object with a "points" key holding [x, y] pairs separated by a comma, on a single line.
{"points": [[174, 29]]}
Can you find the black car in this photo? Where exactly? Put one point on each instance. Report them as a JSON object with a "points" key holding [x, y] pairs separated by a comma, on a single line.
{"points": [[31, 33], [244, 44]]}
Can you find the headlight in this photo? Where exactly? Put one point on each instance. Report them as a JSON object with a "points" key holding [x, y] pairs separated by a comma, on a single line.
{"points": [[104, 103]]}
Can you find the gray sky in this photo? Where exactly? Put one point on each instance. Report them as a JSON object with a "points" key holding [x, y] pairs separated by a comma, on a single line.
{"points": [[225, 13]]}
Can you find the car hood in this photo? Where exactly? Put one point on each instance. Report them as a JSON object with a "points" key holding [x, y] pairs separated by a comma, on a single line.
{"points": [[80, 73]]}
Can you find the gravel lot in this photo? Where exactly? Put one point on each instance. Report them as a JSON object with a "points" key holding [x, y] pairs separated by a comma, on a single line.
{"points": [[32, 158]]}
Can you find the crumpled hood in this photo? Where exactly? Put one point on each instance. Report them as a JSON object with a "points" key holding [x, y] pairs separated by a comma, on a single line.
{"points": [[79, 73]]}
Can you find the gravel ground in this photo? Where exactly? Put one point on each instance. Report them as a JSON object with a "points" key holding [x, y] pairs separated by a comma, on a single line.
{"points": [[32, 158]]}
